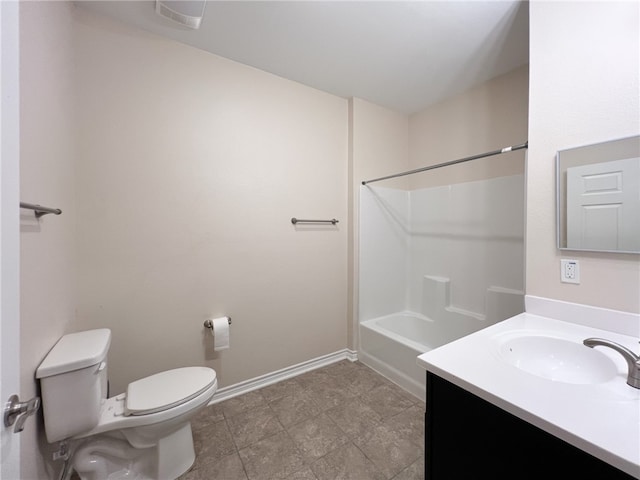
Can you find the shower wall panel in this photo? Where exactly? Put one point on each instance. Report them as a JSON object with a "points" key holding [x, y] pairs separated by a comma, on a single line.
{"points": [[384, 243], [469, 233]]}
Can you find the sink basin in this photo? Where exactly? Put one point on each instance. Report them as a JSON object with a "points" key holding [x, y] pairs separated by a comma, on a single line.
{"points": [[557, 359]]}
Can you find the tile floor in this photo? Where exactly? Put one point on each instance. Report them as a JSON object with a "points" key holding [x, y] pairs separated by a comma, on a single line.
{"points": [[343, 421]]}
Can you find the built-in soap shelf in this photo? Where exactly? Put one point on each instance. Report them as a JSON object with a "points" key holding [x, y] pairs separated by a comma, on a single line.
{"points": [[500, 303]]}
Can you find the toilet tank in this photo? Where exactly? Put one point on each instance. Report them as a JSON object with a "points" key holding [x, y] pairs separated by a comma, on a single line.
{"points": [[73, 383]]}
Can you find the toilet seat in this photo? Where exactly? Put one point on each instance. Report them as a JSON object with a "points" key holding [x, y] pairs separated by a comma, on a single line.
{"points": [[165, 390], [113, 417]]}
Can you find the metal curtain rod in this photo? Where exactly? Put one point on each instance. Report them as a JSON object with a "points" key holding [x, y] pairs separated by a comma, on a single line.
{"points": [[40, 210], [452, 162]]}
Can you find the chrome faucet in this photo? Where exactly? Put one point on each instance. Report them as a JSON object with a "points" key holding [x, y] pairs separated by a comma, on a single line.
{"points": [[633, 360]]}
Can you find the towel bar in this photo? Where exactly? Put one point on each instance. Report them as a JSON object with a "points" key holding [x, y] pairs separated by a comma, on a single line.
{"points": [[39, 209], [295, 221]]}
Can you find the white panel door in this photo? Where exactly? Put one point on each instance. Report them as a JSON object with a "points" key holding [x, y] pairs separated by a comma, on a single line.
{"points": [[9, 232], [603, 206]]}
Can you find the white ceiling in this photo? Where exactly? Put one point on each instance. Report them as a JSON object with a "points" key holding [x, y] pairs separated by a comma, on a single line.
{"points": [[399, 54]]}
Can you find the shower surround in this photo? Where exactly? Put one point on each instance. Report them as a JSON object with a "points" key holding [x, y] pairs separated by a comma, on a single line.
{"points": [[436, 264]]}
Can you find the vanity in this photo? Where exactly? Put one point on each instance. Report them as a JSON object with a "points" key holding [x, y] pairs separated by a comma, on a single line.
{"points": [[526, 399]]}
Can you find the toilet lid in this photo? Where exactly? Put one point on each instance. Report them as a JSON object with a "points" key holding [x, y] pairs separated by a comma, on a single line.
{"points": [[165, 390]]}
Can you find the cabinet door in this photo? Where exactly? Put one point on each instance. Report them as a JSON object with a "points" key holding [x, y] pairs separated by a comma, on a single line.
{"points": [[467, 437]]}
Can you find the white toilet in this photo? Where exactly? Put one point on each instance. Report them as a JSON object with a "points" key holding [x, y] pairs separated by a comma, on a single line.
{"points": [[142, 434]]}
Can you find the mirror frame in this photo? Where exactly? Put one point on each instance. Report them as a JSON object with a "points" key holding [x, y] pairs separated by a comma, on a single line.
{"points": [[617, 149]]}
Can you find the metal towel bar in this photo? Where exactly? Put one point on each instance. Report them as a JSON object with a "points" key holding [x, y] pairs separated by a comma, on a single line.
{"points": [[295, 221], [40, 210]]}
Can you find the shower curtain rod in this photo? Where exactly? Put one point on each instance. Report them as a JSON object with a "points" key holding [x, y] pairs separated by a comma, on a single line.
{"points": [[452, 162]]}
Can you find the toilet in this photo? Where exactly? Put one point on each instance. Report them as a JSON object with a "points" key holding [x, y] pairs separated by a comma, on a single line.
{"points": [[143, 434]]}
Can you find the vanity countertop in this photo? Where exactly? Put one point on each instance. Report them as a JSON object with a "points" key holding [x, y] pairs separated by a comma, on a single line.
{"points": [[602, 418]]}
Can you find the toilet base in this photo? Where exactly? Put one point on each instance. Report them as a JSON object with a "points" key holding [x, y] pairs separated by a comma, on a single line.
{"points": [[112, 456], [176, 454]]}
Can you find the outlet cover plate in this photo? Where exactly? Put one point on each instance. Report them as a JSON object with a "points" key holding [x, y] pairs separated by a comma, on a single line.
{"points": [[569, 271]]}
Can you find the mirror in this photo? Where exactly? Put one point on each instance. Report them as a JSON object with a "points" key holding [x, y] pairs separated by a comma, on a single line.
{"points": [[598, 197]]}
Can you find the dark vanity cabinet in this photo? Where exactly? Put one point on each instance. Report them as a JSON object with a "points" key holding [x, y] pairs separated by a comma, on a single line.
{"points": [[467, 437]]}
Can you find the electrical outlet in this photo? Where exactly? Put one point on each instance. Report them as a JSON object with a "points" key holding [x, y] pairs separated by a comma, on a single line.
{"points": [[569, 271]]}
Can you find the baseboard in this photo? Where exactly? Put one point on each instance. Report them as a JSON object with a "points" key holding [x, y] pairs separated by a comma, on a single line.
{"points": [[231, 391]]}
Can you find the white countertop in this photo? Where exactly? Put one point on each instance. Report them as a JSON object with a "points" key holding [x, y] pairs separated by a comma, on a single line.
{"points": [[602, 419]]}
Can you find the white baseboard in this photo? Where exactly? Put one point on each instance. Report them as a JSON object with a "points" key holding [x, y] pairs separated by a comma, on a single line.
{"points": [[231, 391]]}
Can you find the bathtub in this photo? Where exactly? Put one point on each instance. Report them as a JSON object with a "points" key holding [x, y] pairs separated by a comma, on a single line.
{"points": [[390, 345]]}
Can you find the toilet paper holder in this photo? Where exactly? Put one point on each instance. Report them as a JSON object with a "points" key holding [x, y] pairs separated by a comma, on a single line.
{"points": [[209, 323]]}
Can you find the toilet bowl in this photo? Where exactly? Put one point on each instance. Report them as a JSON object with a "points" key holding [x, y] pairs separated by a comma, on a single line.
{"points": [[144, 433]]}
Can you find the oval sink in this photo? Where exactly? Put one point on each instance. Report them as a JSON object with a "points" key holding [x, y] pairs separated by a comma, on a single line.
{"points": [[557, 359]]}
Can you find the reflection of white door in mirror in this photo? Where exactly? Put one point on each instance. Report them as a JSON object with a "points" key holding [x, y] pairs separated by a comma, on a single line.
{"points": [[603, 206]]}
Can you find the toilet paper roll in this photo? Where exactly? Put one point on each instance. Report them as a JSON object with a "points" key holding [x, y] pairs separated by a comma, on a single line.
{"points": [[220, 332]]}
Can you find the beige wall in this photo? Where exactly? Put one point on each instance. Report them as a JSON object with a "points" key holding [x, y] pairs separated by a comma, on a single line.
{"points": [[379, 143], [190, 167], [488, 117], [47, 259], [378, 146], [585, 62]]}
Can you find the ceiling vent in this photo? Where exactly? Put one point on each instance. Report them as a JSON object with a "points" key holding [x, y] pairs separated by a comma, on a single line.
{"points": [[185, 12]]}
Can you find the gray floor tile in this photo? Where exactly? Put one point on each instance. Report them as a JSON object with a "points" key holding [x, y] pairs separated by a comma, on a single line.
{"points": [[415, 471], [207, 416], [304, 474], [354, 417], [388, 450], [343, 421], [346, 463], [226, 468], [278, 390], [364, 380], [315, 377], [317, 436], [213, 442], [295, 408], [409, 424], [252, 425], [343, 368], [274, 457], [387, 401], [331, 377], [329, 394], [242, 403]]}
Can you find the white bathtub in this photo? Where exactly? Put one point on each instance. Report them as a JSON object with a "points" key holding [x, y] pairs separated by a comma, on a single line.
{"points": [[390, 345]]}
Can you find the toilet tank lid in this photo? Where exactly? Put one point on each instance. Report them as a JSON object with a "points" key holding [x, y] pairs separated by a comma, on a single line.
{"points": [[75, 351]]}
